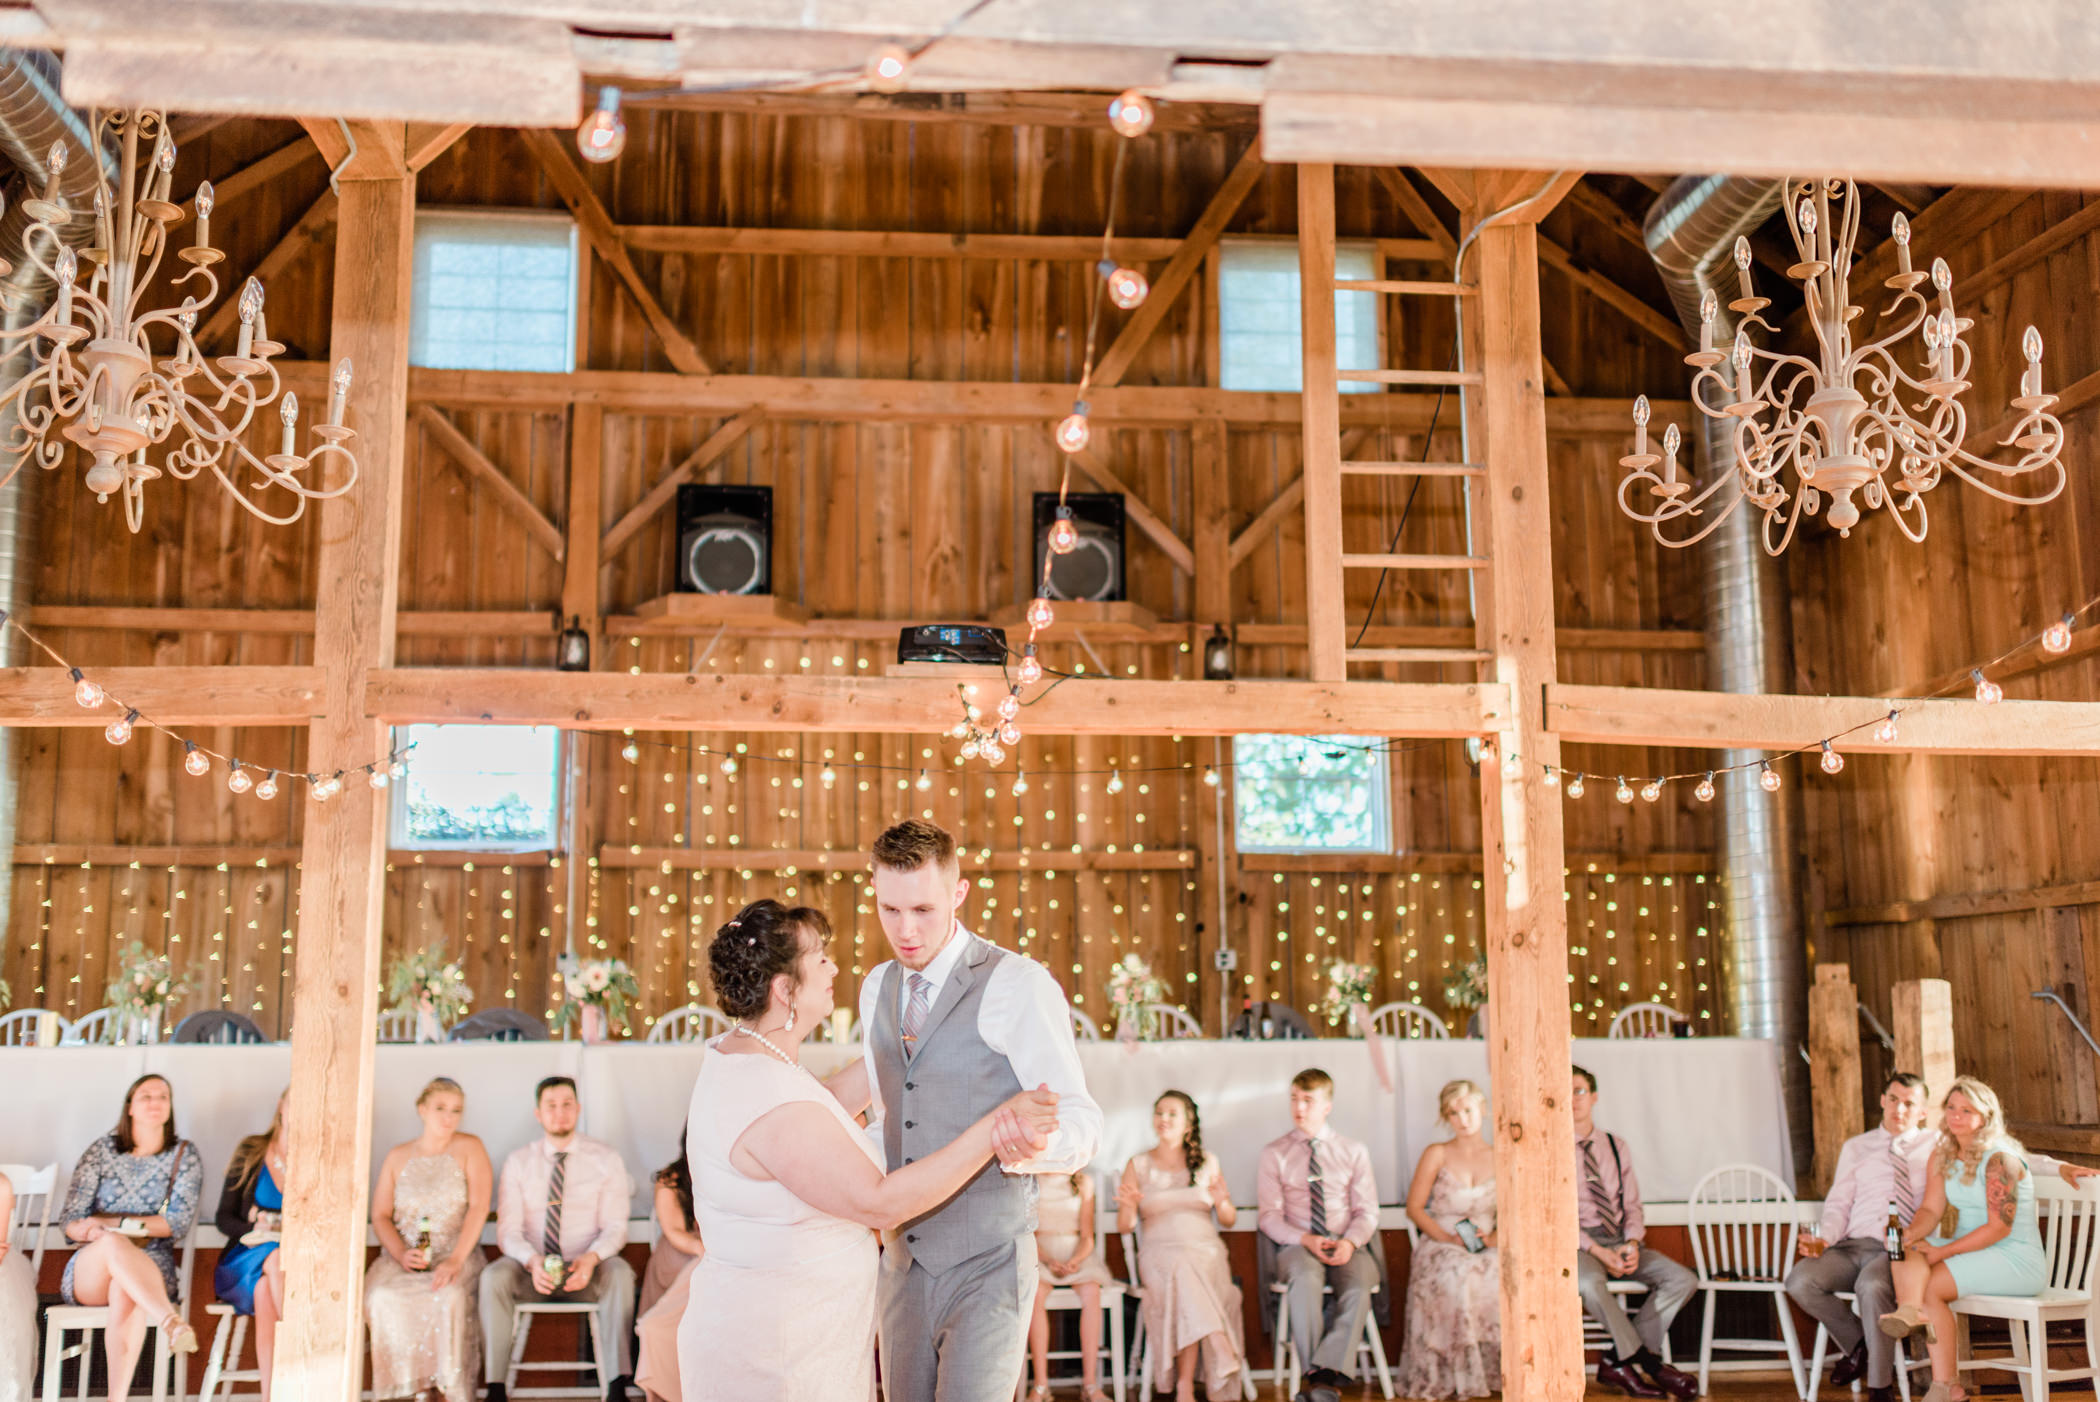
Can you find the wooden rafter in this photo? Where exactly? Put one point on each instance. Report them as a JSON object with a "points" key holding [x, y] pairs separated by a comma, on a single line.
{"points": [[1662, 327], [1285, 502], [1416, 208], [1141, 515], [889, 243], [509, 495], [1948, 222], [311, 227], [711, 449], [254, 175], [604, 238], [2003, 269], [426, 141]]}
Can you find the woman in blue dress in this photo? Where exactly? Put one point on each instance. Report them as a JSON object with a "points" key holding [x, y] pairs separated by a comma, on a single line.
{"points": [[132, 1200], [249, 1275], [1995, 1247]]}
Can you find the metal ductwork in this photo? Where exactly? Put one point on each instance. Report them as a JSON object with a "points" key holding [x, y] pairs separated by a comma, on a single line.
{"points": [[1691, 233], [33, 117]]}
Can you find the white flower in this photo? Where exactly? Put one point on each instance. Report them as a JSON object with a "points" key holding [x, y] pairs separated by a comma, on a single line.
{"points": [[598, 978]]}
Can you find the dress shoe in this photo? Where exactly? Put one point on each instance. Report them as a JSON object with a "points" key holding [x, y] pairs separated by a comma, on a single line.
{"points": [[1329, 1377], [1626, 1379], [1677, 1383], [1850, 1368], [1881, 1394], [1318, 1392]]}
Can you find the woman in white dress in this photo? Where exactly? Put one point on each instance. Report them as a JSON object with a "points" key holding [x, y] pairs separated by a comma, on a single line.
{"points": [[788, 1190], [17, 1309]]}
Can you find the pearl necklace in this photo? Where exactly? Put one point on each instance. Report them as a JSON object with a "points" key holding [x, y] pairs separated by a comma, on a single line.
{"points": [[762, 1041]]}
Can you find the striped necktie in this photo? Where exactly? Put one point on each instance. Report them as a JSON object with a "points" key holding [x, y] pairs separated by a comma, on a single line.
{"points": [[1317, 1181], [1611, 1212], [915, 1013], [1901, 1189], [551, 1240]]}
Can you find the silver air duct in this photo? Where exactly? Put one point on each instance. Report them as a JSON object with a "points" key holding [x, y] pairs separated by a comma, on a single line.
{"points": [[1691, 233], [32, 118]]}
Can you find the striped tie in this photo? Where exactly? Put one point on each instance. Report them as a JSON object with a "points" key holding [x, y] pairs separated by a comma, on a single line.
{"points": [[1317, 1181], [1611, 1212], [555, 1185], [915, 1013], [1900, 1187]]}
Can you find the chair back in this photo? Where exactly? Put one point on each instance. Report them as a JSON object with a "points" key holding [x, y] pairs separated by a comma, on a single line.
{"points": [[217, 1027], [396, 1027], [1169, 1021], [498, 1025], [1407, 1020], [1645, 1020], [2070, 1232], [32, 1027], [1084, 1028], [31, 1222], [1743, 1219], [694, 1022], [91, 1028]]}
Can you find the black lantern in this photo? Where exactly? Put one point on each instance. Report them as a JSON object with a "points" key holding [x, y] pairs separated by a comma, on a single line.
{"points": [[1217, 655], [573, 652]]}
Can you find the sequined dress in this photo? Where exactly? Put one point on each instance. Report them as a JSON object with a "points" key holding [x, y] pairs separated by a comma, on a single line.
{"points": [[422, 1336]]}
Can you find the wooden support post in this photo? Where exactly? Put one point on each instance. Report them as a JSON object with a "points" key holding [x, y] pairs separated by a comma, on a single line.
{"points": [[581, 599], [1833, 1070], [1212, 498], [1523, 843], [320, 1344], [1324, 624], [1217, 896], [1923, 1018]]}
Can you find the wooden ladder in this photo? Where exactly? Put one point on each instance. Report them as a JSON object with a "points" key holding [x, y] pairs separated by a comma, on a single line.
{"points": [[1326, 562]]}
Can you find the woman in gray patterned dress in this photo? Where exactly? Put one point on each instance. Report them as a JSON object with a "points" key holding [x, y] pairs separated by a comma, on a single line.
{"points": [[132, 1200]]}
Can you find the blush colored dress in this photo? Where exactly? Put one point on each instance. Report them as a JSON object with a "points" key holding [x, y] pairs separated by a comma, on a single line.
{"points": [[1057, 1232], [1187, 1278], [783, 1303], [1452, 1345], [422, 1336], [2013, 1266], [17, 1327]]}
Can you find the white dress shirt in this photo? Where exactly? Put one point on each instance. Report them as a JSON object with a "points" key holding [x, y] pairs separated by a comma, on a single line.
{"points": [[1025, 1018], [1864, 1185], [595, 1197]]}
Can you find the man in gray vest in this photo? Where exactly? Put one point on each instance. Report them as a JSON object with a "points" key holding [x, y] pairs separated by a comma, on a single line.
{"points": [[952, 1027]]}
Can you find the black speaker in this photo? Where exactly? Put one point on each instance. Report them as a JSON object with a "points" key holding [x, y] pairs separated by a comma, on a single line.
{"points": [[725, 540], [1093, 568]]}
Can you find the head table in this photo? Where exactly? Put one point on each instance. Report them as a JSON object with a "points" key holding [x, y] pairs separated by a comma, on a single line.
{"points": [[1683, 1106]]}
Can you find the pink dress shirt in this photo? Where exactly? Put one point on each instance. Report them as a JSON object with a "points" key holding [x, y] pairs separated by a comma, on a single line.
{"points": [[1614, 1177], [1283, 1194], [595, 1197]]}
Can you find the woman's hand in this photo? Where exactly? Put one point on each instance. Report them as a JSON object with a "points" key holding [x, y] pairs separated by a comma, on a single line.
{"points": [[1932, 1255], [446, 1272], [1129, 1194], [86, 1230], [415, 1259], [1035, 1109], [1487, 1240], [1219, 1195]]}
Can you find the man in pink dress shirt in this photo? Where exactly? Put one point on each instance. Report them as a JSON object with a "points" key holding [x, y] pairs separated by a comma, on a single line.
{"points": [[1319, 1203]]}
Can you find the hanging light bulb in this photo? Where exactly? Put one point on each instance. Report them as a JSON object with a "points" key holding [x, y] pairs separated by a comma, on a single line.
{"points": [[1575, 786], [118, 731], [924, 783], [887, 67], [1115, 781], [1551, 778], [603, 135], [2057, 636], [324, 789], [1126, 286], [375, 776], [1886, 731], [1624, 793], [399, 769], [1020, 785], [237, 779], [1064, 536], [631, 752], [1039, 613], [970, 749], [827, 776], [1031, 670], [1704, 789], [959, 731], [1131, 114], [1073, 430], [1652, 790], [1767, 776], [267, 789], [87, 693], [1009, 706], [1987, 691], [1009, 734], [194, 760], [992, 752], [1832, 760], [1210, 776], [729, 764]]}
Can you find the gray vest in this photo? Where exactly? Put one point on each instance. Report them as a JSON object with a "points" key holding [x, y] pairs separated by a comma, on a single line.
{"points": [[952, 1081]]}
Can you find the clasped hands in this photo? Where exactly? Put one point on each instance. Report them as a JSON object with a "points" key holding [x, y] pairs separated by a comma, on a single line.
{"points": [[1334, 1250], [1021, 1128], [573, 1279], [1620, 1260]]}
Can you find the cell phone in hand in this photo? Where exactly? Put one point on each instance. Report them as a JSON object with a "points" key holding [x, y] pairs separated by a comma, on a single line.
{"points": [[1469, 1236]]}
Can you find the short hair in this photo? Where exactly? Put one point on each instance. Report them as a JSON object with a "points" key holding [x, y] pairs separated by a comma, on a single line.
{"points": [[760, 943], [1312, 1078], [913, 843], [1455, 1093], [1905, 1078], [539, 1091], [440, 1085], [1589, 1077]]}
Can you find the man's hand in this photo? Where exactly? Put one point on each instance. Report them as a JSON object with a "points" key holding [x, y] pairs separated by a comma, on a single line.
{"points": [[1608, 1257], [579, 1274], [2074, 1173], [541, 1281], [1315, 1244], [1340, 1250], [1630, 1253]]}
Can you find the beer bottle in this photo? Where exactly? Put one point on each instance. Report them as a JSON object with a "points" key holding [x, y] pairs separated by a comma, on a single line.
{"points": [[1893, 1237], [422, 1241]]}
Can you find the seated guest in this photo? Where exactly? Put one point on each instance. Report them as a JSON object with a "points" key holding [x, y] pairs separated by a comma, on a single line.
{"points": [[1996, 1245], [132, 1199], [1066, 1256], [1453, 1344], [17, 1309], [678, 1249], [421, 1294], [1177, 1192], [249, 1276], [1608, 1207], [561, 1210], [1318, 1203]]}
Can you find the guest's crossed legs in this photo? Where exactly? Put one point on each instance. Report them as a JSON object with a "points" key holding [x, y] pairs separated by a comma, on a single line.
{"points": [[113, 1271]]}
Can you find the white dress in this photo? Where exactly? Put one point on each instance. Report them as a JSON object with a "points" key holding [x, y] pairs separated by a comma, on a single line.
{"points": [[783, 1304], [17, 1327]]}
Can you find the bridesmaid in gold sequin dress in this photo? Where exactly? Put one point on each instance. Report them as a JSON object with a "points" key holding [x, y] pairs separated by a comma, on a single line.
{"points": [[422, 1304]]}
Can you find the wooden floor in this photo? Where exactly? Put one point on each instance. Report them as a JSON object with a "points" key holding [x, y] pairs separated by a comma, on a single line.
{"points": [[1774, 1387]]}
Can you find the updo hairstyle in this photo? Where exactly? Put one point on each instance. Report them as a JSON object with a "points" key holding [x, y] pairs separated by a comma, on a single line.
{"points": [[763, 942]]}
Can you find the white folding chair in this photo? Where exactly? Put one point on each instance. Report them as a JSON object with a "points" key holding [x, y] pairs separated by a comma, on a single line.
{"points": [[31, 1223], [1084, 1028], [1170, 1022], [1066, 1297], [1597, 1339], [1645, 1020], [601, 1360], [1904, 1362], [32, 1027], [692, 1023], [1141, 1343], [1407, 1020], [217, 1373], [90, 1320], [397, 1027], [1370, 1347], [2070, 1242], [1742, 1220]]}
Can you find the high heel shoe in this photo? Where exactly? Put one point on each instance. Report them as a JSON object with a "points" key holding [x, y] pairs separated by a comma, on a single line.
{"points": [[1041, 1393], [1906, 1320], [181, 1337]]}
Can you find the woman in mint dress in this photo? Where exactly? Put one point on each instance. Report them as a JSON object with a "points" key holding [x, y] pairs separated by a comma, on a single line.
{"points": [[1996, 1245]]}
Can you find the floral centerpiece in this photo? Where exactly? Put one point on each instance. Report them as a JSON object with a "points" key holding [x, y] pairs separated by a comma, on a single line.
{"points": [[431, 987], [1132, 988], [145, 986], [1467, 987], [601, 994], [1348, 988]]}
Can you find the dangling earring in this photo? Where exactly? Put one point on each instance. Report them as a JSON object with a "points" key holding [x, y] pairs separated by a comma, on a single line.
{"points": [[791, 1019]]}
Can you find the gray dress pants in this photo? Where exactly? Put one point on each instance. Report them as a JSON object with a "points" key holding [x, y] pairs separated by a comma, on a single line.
{"points": [[1861, 1265], [960, 1336], [505, 1283], [1326, 1331], [1669, 1286]]}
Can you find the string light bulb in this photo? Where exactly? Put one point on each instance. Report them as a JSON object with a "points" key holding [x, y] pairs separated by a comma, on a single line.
{"points": [[399, 769], [118, 731], [1551, 778], [1040, 615], [887, 68], [1020, 785], [1131, 114], [924, 783], [194, 761], [1064, 536], [1009, 706], [375, 776], [237, 779], [1987, 691], [729, 764], [992, 752], [631, 752], [970, 749], [1886, 731], [267, 789], [1115, 781], [86, 692], [603, 136], [1624, 793], [1704, 789], [1767, 777], [1210, 775], [1575, 786], [827, 776], [324, 789], [1126, 286], [1009, 734], [1031, 669], [1652, 790], [1073, 430], [1832, 761], [2057, 636]]}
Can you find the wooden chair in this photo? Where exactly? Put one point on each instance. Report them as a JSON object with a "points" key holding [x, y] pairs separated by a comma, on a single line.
{"points": [[32, 1027], [1407, 1020], [2070, 1244], [692, 1023], [89, 1320], [600, 1359], [1742, 1221], [1170, 1021], [91, 1028], [217, 1027], [1645, 1020], [1085, 1028]]}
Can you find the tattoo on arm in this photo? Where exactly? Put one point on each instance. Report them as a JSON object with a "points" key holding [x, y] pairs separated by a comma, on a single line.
{"points": [[2000, 1190]]}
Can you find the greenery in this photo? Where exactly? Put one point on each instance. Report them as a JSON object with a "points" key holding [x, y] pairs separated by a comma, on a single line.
{"points": [[426, 977], [1467, 985], [1348, 987], [596, 983], [510, 819], [1309, 792]]}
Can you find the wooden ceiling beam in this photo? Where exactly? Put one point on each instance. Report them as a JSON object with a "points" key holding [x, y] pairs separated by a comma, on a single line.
{"points": [[173, 696], [1658, 324], [711, 449], [509, 494], [886, 243], [991, 108], [1617, 715], [2003, 269], [257, 173], [426, 141], [373, 150], [1416, 208]]}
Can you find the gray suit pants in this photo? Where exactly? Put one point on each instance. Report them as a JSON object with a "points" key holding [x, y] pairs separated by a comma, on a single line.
{"points": [[1669, 1286], [1861, 1265], [960, 1336], [1326, 1332], [505, 1283]]}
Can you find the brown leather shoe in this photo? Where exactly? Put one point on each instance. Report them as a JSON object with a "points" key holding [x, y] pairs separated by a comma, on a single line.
{"points": [[1626, 1379], [1678, 1384]]}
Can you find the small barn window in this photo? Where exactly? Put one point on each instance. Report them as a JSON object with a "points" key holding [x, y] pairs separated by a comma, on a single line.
{"points": [[494, 290], [1258, 346], [1310, 793], [491, 788]]}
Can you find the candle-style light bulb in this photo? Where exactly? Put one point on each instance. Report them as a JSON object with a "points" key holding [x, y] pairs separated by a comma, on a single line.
{"points": [[1742, 267], [2031, 347], [338, 392], [1709, 309], [1805, 216], [1641, 413], [68, 270], [1673, 439], [1742, 367], [1899, 230], [603, 135], [205, 200], [288, 415], [250, 307], [56, 161], [164, 165]]}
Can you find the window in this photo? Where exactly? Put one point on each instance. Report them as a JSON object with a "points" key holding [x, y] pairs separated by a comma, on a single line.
{"points": [[1310, 793], [494, 291], [1258, 344], [481, 787]]}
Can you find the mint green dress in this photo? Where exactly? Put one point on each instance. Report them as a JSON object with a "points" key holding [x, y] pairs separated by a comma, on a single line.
{"points": [[2014, 1266]]}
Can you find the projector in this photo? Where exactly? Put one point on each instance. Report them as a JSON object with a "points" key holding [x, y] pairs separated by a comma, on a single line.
{"points": [[952, 642]]}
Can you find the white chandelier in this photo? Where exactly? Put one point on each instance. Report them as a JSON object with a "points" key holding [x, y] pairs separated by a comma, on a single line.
{"points": [[95, 378], [1839, 421]]}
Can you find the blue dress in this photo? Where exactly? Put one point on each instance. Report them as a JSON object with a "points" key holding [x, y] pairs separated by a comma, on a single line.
{"points": [[2014, 1266], [240, 1267]]}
